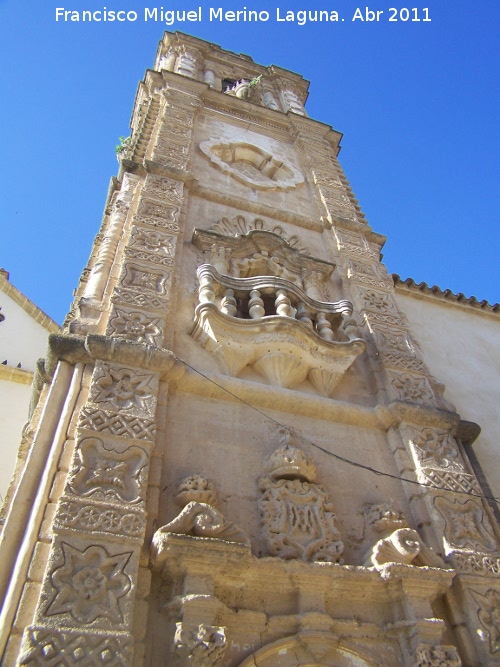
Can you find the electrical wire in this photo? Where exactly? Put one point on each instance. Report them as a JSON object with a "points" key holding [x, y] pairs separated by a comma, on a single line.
{"points": [[343, 459]]}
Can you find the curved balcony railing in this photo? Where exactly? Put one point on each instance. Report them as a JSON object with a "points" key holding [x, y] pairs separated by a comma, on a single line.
{"points": [[260, 297]]}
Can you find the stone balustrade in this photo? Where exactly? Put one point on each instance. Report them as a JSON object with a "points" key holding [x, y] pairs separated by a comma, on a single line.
{"points": [[263, 297]]}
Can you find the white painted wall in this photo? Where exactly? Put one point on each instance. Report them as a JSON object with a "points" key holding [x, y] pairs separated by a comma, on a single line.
{"points": [[23, 339], [462, 348], [14, 404]]}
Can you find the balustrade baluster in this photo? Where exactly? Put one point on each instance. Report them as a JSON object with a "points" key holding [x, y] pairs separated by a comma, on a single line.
{"points": [[303, 314], [206, 293], [228, 303], [283, 304], [256, 305], [323, 327]]}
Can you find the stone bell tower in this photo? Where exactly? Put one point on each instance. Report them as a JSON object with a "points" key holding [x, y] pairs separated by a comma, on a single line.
{"points": [[199, 481]]}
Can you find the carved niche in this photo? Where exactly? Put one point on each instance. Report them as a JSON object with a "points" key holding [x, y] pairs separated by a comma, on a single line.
{"points": [[298, 521], [261, 305]]}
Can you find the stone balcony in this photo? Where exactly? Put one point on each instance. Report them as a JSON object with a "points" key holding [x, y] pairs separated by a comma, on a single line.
{"points": [[272, 325]]}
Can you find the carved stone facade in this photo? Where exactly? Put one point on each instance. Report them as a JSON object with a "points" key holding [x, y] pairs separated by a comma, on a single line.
{"points": [[240, 456]]}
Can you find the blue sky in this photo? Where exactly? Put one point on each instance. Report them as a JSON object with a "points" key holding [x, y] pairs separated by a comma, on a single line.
{"points": [[417, 103]]}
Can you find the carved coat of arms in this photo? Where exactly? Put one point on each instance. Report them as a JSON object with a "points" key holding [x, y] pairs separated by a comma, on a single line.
{"points": [[298, 519]]}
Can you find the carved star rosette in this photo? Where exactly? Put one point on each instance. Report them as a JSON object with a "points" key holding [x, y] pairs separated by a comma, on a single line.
{"points": [[90, 584]]}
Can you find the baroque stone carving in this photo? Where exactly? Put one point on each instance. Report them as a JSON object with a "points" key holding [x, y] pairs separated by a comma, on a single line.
{"points": [[473, 563], [96, 517], [398, 543], [90, 584], [153, 242], [143, 300], [164, 188], [135, 326], [126, 426], [489, 618], [51, 646], [436, 447], [124, 389], [298, 519], [451, 480], [105, 473], [411, 388], [252, 165], [154, 209], [466, 527], [437, 656], [199, 516], [200, 646], [136, 277], [239, 226], [377, 300]]}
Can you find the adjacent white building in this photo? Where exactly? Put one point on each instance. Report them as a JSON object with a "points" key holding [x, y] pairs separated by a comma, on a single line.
{"points": [[23, 339]]}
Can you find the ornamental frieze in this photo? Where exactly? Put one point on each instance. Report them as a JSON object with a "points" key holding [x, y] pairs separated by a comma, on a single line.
{"points": [[137, 277], [80, 515], [116, 424], [436, 447], [158, 223], [42, 645], [142, 300], [153, 242]]}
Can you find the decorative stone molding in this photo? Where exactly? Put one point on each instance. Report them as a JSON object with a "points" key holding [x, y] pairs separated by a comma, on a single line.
{"points": [[124, 389], [252, 165], [135, 326], [76, 514], [164, 189], [411, 388], [476, 563], [434, 447], [297, 517]]}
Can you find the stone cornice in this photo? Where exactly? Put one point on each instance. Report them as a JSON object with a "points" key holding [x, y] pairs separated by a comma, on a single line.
{"points": [[291, 401]]}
